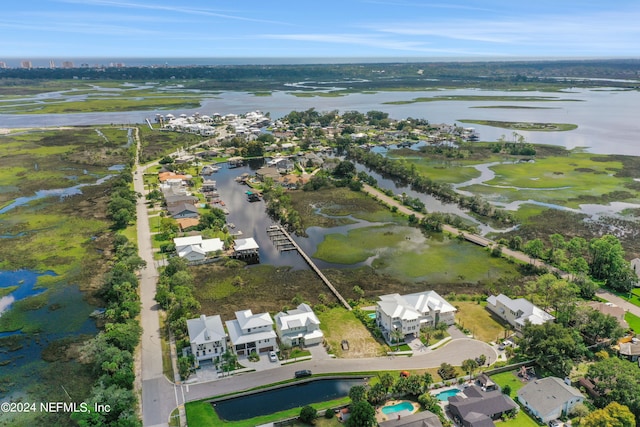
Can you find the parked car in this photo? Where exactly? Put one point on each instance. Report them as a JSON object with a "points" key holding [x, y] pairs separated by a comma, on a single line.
{"points": [[273, 356], [303, 373]]}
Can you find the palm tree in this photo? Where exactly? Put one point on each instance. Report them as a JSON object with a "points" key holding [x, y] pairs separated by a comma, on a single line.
{"points": [[397, 335], [469, 365]]}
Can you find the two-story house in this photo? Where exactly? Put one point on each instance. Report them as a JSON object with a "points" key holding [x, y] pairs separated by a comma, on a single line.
{"points": [[207, 338], [299, 326], [251, 332], [517, 312], [549, 398], [411, 312]]}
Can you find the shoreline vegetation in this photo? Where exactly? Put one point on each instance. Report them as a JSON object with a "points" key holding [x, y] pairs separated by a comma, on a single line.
{"points": [[524, 126]]}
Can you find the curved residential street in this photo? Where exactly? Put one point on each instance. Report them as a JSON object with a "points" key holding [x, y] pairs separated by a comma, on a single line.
{"points": [[454, 352]]}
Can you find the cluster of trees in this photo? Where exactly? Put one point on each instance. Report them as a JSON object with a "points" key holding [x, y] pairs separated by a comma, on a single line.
{"points": [[280, 207], [110, 353], [556, 346], [519, 147], [364, 399], [122, 204], [408, 173], [602, 258], [612, 415], [310, 117], [174, 293], [616, 381]]}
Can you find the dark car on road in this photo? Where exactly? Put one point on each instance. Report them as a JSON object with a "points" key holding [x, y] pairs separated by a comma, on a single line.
{"points": [[303, 373]]}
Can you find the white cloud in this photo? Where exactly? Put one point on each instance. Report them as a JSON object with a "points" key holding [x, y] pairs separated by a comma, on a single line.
{"points": [[172, 9]]}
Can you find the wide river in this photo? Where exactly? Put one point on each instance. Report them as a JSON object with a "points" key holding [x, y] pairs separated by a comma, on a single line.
{"points": [[606, 118]]}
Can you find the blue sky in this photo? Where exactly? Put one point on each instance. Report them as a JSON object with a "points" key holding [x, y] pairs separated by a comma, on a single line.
{"points": [[326, 28]]}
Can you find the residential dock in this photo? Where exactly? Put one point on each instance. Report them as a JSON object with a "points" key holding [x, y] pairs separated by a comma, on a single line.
{"points": [[284, 242]]}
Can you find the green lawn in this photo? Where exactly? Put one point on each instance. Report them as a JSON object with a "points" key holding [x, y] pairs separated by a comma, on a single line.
{"points": [[633, 321], [521, 420], [509, 378]]}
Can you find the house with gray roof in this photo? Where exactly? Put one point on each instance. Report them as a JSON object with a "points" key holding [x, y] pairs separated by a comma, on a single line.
{"points": [[517, 312], [299, 326], [411, 312], [251, 332], [419, 419], [173, 200], [477, 408], [207, 338], [549, 398], [183, 210]]}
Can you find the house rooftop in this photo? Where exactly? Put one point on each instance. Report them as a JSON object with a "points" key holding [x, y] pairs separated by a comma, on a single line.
{"points": [[205, 329], [546, 394], [525, 309]]}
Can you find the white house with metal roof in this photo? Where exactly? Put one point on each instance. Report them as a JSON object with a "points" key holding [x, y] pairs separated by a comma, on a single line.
{"points": [[299, 326], [207, 338], [245, 247], [195, 248], [252, 332], [411, 312], [549, 398], [517, 312]]}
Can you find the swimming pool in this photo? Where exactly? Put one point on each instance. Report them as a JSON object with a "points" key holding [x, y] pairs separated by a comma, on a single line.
{"points": [[371, 315], [402, 406], [445, 395]]}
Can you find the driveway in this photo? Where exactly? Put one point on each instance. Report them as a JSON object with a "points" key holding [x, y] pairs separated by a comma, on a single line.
{"points": [[620, 302]]}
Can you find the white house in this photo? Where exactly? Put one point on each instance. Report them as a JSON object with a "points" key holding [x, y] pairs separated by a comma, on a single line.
{"points": [[411, 312], [299, 326], [251, 332], [207, 337], [549, 398], [195, 248], [245, 247], [517, 312]]}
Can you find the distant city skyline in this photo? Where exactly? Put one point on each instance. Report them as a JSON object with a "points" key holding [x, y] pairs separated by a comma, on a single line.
{"points": [[63, 30]]}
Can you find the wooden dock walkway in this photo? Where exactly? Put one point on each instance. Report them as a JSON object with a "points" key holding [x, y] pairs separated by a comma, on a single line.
{"points": [[284, 242]]}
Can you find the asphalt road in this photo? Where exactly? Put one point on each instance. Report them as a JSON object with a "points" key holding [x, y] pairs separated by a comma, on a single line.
{"points": [[158, 394], [454, 352]]}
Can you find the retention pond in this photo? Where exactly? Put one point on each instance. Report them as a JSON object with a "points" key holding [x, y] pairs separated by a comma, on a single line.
{"points": [[280, 399]]}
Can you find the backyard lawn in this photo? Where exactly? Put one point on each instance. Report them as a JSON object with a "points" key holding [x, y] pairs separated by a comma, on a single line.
{"points": [[478, 320], [509, 378], [521, 420]]}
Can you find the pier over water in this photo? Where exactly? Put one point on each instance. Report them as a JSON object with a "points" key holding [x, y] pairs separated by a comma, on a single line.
{"points": [[284, 242]]}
